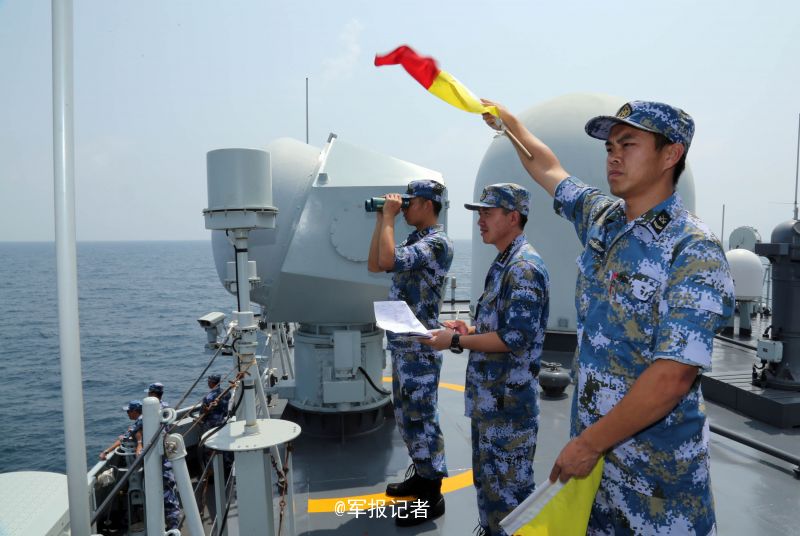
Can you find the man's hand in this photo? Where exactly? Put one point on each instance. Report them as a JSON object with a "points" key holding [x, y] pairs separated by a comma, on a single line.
{"points": [[494, 122], [577, 459], [441, 339], [459, 326], [536, 157], [392, 206], [103, 455]]}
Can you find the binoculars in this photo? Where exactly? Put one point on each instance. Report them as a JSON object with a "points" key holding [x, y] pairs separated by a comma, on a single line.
{"points": [[375, 204]]}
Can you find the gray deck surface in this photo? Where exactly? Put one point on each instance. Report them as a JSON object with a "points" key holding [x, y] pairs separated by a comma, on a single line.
{"points": [[754, 493]]}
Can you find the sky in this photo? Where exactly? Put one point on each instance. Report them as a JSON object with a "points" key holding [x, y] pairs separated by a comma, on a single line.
{"points": [[159, 83]]}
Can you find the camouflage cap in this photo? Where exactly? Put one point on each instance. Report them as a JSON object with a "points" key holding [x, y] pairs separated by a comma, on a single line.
{"points": [[156, 387], [133, 405], [429, 189], [673, 123], [503, 195]]}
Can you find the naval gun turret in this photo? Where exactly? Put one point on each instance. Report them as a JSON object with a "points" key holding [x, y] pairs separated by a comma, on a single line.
{"points": [[779, 350], [311, 269]]}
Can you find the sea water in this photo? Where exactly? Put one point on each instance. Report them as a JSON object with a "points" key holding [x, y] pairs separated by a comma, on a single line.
{"points": [[138, 305]]}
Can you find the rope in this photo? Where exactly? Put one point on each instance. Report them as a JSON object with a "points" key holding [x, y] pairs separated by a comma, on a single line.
{"points": [[285, 487], [204, 412]]}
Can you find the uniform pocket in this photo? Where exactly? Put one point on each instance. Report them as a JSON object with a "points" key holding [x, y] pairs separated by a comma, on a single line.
{"points": [[419, 384], [634, 306], [519, 400]]}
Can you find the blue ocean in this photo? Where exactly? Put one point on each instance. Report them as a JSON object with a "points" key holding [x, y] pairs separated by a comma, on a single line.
{"points": [[139, 303]]}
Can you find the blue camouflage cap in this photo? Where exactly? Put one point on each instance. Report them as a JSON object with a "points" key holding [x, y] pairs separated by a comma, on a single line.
{"points": [[505, 195], [133, 405], [156, 387], [429, 189], [673, 123], [214, 378]]}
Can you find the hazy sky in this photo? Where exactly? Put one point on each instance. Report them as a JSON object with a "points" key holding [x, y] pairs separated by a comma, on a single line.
{"points": [[160, 83]]}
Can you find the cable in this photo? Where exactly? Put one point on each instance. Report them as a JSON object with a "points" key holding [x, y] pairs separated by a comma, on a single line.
{"points": [[229, 490], [381, 390], [208, 366]]}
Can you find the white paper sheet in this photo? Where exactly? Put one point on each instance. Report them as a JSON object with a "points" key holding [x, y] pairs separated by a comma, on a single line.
{"points": [[397, 317]]}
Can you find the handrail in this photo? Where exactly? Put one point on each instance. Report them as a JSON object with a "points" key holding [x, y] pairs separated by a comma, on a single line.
{"points": [[734, 341], [758, 445]]}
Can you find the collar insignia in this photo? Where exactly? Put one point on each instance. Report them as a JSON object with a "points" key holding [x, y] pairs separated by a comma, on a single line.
{"points": [[661, 221]]}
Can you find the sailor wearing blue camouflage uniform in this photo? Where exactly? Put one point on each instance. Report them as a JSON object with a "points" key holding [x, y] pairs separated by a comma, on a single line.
{"points": [[419, 266], [505, 343], [172, 507], [215, 404], [156, 389], [653, 288], [133, 438]]}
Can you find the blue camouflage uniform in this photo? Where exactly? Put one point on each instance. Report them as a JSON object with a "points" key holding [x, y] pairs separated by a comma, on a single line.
{"points": [[420, 267], [654, 288], [172, 506], [657, 287], [130, 434], [216, 413], [157, 388], [502, 389]]}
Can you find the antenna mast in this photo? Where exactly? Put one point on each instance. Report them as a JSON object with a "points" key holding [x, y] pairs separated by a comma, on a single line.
{"points": [[795, 194], [797, 166], [722, 232]]}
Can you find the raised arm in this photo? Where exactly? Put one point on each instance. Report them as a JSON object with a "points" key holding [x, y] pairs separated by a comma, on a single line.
{"points": [[372, 260], [544, 167], [391, 208]]}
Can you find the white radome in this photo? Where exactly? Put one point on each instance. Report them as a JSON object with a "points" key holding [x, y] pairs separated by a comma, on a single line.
{"points": [[747, 272], [560, 124]]}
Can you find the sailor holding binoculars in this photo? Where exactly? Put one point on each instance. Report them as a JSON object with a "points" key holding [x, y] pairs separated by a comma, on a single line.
{"points": [[419, 266]]}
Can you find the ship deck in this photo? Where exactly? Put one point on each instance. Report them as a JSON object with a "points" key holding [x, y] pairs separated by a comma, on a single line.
{"points": [[754, 493]]}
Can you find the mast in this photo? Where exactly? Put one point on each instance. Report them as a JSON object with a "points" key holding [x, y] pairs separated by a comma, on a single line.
{"points": [[67, 267], [797, 166], [795, 194]]}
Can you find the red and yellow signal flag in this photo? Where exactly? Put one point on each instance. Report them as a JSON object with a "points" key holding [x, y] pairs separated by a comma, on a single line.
{"points": [[442, 84]]}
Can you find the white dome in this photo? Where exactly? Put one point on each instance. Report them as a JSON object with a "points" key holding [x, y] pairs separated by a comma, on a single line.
{"points": [[747, 272], [560, 124]]}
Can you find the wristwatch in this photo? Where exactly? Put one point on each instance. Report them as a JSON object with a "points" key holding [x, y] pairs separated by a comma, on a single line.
{"points": [[455, 344]]}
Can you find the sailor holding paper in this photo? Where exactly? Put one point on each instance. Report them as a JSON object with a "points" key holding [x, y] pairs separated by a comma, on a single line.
{"points": [[505, 344]]}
